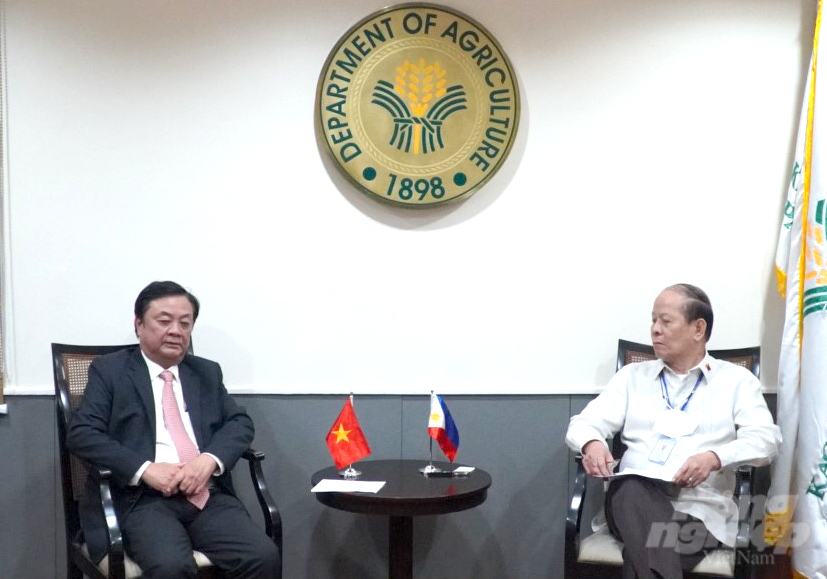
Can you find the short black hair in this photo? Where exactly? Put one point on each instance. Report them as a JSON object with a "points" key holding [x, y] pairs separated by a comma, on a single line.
{"points": [[696, 305], [163, 289]]}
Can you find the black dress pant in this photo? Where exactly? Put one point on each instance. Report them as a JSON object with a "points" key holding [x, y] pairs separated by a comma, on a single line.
{"points": [[658, 542], [160, 534]]}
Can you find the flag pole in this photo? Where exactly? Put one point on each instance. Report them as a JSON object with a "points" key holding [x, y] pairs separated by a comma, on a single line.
{"points": [[350, 472]]}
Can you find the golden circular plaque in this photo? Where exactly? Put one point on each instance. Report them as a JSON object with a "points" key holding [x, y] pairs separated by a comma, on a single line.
{"points": [[418, 105]]}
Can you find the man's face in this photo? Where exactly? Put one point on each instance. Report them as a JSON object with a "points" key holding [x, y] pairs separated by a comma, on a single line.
{"points": [[673, 337], [164, 332]]}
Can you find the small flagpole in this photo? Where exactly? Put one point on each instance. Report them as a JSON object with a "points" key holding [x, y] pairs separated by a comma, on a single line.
{"points": [[350, 472], [430, 468]]}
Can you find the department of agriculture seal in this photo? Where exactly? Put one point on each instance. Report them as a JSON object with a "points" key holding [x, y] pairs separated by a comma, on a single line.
{"points": [[418, 105]]}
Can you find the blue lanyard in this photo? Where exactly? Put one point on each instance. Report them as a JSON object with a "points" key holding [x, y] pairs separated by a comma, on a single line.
{"points": [[666, 391]]}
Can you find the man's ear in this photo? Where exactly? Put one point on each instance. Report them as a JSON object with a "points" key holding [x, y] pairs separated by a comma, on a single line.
{"points": [[700, 328], [137, 321]]}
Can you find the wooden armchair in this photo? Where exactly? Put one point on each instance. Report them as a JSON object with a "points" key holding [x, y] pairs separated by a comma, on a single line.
{"points": [[71, 365], [598, 556]]}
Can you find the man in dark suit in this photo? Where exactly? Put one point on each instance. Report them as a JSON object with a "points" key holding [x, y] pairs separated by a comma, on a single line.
{"points": [[163, 423]]}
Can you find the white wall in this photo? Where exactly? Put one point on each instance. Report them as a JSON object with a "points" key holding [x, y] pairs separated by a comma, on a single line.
{"points": [[154, 139]]}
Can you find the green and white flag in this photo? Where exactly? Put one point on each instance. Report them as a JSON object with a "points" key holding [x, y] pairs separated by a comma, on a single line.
{"points": [[796, 509]]}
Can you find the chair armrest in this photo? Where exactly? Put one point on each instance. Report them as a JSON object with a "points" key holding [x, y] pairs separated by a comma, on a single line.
{"points": [[103, 479], [574, 516], [272, 518], [744, 477]]}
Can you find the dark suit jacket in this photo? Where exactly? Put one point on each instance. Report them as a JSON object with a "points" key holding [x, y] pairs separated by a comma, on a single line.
{"points": [[114, 428]]}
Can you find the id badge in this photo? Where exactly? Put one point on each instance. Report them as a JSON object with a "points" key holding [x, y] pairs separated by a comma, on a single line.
{"points": [[662, 449]]}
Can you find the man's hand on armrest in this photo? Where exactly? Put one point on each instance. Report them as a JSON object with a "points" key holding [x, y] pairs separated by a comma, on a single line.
{"points": [[597, 460], [696, 469]]}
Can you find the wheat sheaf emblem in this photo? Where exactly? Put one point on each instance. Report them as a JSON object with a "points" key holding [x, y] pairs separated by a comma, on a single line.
{"points": [[418, 128]]}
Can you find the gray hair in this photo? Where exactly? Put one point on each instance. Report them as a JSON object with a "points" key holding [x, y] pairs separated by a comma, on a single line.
{"points": [[696, 305]]}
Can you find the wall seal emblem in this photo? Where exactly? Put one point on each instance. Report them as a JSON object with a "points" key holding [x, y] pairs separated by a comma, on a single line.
{"points": [[418, 105]]}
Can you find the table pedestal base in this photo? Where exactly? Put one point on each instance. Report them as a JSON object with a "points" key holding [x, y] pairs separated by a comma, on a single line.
{"points": [[400, 548]]}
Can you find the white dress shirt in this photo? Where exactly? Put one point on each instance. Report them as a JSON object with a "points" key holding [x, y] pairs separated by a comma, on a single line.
{"points": [[732, 421], [165, 450]]}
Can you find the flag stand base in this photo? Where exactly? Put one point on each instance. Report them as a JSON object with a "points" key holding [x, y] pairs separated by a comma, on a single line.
{"points": [[350, 473], [430, 469]]}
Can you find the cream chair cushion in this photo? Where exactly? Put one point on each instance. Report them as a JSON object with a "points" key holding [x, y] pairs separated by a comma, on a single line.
{"points": [[602, 548], [132, 571]]}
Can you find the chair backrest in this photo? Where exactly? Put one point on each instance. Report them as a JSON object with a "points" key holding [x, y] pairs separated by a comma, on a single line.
{"points": [[749, 358], [70, 364]]}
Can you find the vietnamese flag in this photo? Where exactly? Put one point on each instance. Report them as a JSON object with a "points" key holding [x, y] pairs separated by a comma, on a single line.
{"points": [[345, 440], [441, 427]]}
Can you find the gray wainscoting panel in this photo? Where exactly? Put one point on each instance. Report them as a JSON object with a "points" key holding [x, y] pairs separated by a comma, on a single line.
{"points": [[321, 542], [516, 534], [29, 490]]}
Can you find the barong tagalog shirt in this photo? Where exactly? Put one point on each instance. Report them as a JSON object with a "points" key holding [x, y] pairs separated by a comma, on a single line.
{"points": [[732, 421]]}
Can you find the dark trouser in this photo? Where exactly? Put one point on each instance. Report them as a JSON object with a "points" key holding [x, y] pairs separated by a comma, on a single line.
{"points": [[161, 533], [658, 543]]}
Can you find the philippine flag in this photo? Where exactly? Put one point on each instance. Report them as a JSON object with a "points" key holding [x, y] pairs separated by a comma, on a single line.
{"points": [[441, 427]]}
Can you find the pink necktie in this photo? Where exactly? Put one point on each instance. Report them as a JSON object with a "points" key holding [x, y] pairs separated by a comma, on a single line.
{"points": [[183, 443]]}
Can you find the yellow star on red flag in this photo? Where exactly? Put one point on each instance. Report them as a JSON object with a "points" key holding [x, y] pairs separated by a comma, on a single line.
{"points": [[341, 434]]}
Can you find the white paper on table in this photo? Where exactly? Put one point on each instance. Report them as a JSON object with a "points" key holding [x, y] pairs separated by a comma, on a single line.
{"points": [[462, 470], [658, 474], [330, 485]]}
